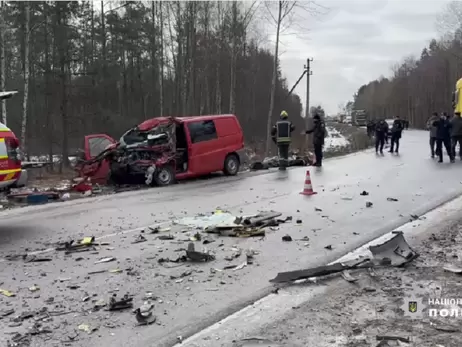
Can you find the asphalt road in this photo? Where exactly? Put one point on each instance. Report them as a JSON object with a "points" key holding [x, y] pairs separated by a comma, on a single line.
{"points": [[204, 296]]}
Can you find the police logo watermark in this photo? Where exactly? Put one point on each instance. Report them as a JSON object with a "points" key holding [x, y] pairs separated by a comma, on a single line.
{"points": [[412, 306]]}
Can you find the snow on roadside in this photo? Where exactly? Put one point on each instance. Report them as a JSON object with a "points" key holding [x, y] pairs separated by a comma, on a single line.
{"points": [[334, 140]]}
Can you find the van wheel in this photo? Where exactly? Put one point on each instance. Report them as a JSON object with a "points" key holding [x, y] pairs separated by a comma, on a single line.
{"points": [[164, 176], [232, 164]]}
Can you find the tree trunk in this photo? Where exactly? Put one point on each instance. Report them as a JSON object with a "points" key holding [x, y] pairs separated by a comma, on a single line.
{"points": [[273, 83], [232, 88], [26, 75], [161, 60], [3, 58]]}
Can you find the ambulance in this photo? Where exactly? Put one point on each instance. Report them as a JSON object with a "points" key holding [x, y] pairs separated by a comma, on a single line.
{"points": [[11, 173]]}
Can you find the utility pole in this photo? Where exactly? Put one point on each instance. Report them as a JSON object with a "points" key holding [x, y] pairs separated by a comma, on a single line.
{"points": [[308, 74], [308, 123]]}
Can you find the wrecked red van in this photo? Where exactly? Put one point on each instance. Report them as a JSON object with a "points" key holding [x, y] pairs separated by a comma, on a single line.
{"points": [[162, 150]]}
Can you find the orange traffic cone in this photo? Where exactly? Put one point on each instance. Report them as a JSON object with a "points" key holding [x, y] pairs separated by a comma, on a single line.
{"points": [[308, 188]]}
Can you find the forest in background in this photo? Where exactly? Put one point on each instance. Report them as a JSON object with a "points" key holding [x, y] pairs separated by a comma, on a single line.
{"points": [[419, 86], [102, 67]]}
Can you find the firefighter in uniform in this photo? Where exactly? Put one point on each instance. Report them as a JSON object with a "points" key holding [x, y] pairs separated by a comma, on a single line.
{"points": [[281, 135]]}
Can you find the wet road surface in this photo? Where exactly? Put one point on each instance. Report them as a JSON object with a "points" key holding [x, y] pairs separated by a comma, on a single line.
{"points": [[186, 304]]}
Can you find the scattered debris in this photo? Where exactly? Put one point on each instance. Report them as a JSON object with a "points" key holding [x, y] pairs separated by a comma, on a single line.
{"points": [[329, 247], [453, 268], [144, 318], [166, 237], [194, 255], [393, 338], [392, 199], [34, 288], [105, 260], [122, 304], [364, 193], [6, 293], [369, 204], [317, 209], [397, 250], [287, 238], [299, 221], [347, 276], [138, 239], [87, 328]]}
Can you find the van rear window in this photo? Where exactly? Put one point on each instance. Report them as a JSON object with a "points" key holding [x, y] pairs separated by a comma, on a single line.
{"points": [[202, 131]]}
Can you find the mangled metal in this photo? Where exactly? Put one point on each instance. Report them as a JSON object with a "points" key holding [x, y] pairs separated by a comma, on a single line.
{"points": [[394, 252], [139, 156]]}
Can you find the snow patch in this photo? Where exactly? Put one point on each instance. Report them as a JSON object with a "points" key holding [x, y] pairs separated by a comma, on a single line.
{"points": [[334, 140]]}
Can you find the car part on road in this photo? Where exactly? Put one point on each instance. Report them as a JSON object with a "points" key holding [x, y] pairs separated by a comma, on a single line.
{"points": [[453, 268], [194, 255], [122, 304], [144, 318], [258, 220], [396, 249]]}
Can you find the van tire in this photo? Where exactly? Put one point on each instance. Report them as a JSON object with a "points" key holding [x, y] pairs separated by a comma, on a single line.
{"points": [[164, 176], [232, 164]]}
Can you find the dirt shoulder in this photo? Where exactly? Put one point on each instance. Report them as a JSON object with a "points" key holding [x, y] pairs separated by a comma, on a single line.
{"points": [[354, 314]]}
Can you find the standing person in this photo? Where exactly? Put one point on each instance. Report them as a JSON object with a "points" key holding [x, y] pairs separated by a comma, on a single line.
{"points": [[443, 137], [456, 134], [319, 133], [370, 128], [432, 131], [381, 132], [281, 135], [396, 132]]}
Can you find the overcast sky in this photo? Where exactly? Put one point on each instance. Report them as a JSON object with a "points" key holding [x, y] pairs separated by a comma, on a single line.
{"points": [[356, 42]]}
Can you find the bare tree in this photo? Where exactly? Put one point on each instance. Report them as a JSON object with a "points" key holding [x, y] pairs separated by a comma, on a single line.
{"points": [[284, 9], [3, 29], [27, 33]]}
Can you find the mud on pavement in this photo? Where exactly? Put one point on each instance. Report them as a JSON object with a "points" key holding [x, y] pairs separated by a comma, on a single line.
{"points": [[378, 305]]}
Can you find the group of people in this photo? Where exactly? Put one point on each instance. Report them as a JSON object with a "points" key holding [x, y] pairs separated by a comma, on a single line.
{"points": [[281, 135], [382, 132], [445, 131]]}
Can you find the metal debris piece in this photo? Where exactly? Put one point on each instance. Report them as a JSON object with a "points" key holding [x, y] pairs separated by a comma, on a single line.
{"points": [[260, 219], [166, 237], [452, 268], [34, 288], [105, 260], [194, 255], [396, 249], [318, 271], [87, 328], [138, 239], [287, 238], [122, 304], [347, 276], [145, 318], [392, 338], [6, 293]]}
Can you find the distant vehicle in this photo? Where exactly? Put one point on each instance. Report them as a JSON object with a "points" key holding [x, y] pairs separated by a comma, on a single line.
{"points": [[359, 118], [167, 149], [348, 120], [11, 173]]}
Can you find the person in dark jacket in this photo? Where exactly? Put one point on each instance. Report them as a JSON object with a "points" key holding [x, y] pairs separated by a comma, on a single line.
{"points": [[396, 131], [381, 132], [456, 134], [443, 137], [432, 130], [370, 128], [281, 135], [319, 133]]}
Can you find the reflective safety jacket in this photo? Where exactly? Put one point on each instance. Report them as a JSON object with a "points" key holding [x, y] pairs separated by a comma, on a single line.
{"points": [[282, 131]]}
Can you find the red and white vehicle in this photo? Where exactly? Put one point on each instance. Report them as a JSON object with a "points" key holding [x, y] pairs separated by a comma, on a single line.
{"points": [[11, 173]]}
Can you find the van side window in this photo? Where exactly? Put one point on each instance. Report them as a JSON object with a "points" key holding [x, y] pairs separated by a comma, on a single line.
{"points": [[202, 131], [97, 145]]}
